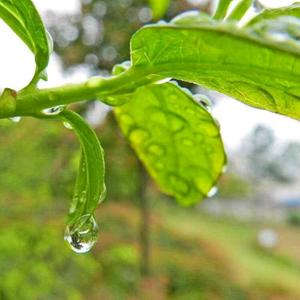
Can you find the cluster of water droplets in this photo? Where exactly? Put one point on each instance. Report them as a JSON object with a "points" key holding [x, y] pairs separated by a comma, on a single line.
{"points": [[82, 234]]}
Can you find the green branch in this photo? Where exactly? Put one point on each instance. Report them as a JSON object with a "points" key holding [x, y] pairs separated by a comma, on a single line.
{"points": [[32, 101]]}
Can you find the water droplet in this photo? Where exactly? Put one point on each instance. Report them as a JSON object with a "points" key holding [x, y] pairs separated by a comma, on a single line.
{"points": [[204, 101], [209, 149], [138, 136], [178, 184], [164, 80], [67, 125], [158, 165], [208, 128], [176, 123], [190, 111], [156, 149], [187, 142], [50, 41], [127, 120], [82, 234], [191, 18], [199, 138], [224, 169], [94, 82], [212, 192], [53, 110], [103, 194], [15, 119], [258, 6]]}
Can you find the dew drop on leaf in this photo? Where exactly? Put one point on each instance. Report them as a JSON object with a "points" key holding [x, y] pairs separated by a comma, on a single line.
{"points": [[204, 101], [156, 149], [213, 191], [158, 165], [176, 123], [187, 142], [224, 169], [53, 110], [127, 120], [139, 136], [68, 125], [179, 185], [82, 234], [163, 81]]}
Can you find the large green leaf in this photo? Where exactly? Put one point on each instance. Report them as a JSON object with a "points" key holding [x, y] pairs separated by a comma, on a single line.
{"points": [[25, 21], [90, 186], [260, 73], [176, 138]]}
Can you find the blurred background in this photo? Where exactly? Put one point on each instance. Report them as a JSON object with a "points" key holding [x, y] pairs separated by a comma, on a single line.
{"points": [[243, 243]]}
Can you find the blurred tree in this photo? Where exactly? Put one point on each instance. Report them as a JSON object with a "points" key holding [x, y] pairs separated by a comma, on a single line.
{"points": [[233, 186], [99, 36], [265, 158]]}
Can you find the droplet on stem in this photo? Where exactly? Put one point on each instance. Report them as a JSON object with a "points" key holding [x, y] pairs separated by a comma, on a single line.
{"points": [[68, 125], [15, 119], [82, 234], [53, 110]]}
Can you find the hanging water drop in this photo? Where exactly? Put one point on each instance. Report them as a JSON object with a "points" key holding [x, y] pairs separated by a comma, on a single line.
{"points": [[82, 234], [213, 191], [15, 119], [53, 110]]}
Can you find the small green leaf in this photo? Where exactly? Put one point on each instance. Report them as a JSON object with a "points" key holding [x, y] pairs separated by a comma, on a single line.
{"points": [[176, 138], [90, 187], [25, 21], [240, 9], [159, 8], [259, 72], [269, 14], [222, 9]]}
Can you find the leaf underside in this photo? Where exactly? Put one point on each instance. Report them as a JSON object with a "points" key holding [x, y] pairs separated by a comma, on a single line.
{"points": [[176, 139]]}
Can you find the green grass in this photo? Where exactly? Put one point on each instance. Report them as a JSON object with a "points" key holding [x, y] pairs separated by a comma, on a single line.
{"points": [[254, 268]]}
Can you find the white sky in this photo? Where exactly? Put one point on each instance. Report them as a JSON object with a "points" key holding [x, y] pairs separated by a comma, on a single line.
{"points": [[236, 119]]}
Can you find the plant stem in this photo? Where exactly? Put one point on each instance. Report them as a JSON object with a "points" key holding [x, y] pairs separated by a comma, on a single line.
{"points": [[32, 102], [145, 224]]}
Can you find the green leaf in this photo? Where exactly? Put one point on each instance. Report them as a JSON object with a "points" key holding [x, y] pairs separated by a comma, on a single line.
{"points": [[258, 72], [176, 138], [90, 187], [25, 21], [240, 10], [222, 9], [159, 8], [269, 14]]}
